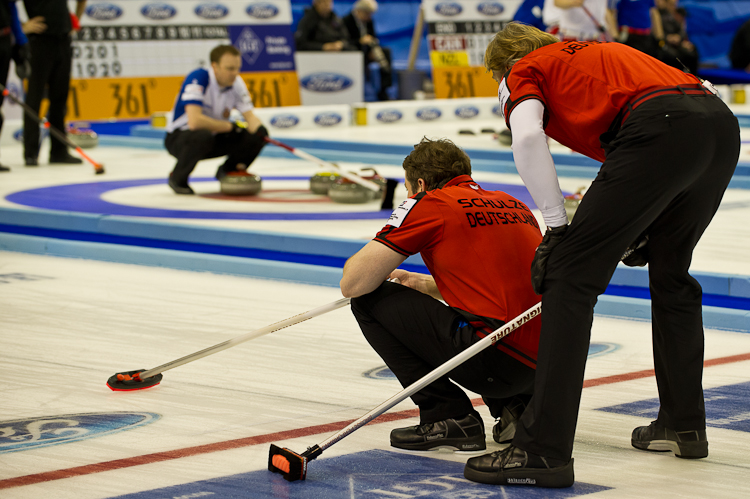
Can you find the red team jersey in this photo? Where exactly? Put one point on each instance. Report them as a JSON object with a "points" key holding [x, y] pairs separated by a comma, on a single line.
{"points": [[478, 245], [584, 86]]}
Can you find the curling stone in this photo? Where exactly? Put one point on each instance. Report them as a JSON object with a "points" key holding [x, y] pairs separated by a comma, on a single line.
{"points": [[505, 138], [83, 138], [240, 184], [320, 183], [344, 190], [571, 202]]}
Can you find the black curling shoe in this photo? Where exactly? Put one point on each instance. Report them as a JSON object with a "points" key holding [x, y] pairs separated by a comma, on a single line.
{"points": [[657, 438], [514, 466], [465, 434]]}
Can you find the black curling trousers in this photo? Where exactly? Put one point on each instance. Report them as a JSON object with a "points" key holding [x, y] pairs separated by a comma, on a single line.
{"points": [[191, 146], [665, 173], [414, 334], [5, 57], [51, 59]]}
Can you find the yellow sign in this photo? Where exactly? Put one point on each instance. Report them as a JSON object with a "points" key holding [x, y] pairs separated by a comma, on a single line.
{"points": [[131, 98], [443, 59], [456, 82]]}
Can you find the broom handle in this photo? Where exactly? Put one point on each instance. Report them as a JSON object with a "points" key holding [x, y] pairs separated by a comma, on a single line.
{"points": [[246, 337], [302, 154], [448, 366]]}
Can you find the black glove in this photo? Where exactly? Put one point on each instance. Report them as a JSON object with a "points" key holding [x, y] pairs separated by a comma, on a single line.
{"points": [[261, 132], [637, 253], [22, 57], [539, 265]]}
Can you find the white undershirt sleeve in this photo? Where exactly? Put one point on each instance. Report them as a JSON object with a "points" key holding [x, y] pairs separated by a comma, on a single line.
{"points": [[534, 161]]}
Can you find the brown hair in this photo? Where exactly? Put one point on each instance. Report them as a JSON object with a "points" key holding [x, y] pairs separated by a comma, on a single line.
{"points": [[513, 42], [219, 51], [436, 162]]}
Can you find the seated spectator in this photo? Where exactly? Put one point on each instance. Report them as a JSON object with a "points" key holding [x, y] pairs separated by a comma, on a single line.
{"points": [[361, 31], [676, 50], [321, 29], [739, 54]]}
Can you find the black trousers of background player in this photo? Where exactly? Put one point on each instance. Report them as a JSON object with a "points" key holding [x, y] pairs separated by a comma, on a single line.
{"points": [[50, 69], [191, 146], [5, 56]]}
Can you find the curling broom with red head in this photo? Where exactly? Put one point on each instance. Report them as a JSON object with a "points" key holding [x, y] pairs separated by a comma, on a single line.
{"points": [[293, 466], [141, 379], [98, 167]]}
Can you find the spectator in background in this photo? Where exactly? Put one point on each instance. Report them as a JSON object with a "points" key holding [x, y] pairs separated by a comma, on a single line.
{"points": [[51, 58], [676, 50], [361, 31], [321, 29], [739, 54], [586, 20], [13, 45], [639, 25]]}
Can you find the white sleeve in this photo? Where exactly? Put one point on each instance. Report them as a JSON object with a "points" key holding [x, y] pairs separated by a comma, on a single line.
{"points": [[534, 161], [244, 102]]}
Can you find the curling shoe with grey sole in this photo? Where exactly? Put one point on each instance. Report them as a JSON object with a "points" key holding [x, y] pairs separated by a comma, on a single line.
{"points": [[514, 466], [465, 434], [685, 444]]}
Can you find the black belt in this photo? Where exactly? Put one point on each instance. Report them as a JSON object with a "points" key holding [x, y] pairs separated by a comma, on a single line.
{"points": [[691, 89]]}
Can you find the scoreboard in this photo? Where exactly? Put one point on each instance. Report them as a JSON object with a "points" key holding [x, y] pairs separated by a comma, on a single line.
{"points": [[131, 56], [458, 34]]}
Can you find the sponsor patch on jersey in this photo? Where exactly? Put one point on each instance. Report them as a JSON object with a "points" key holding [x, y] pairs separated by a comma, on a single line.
{"points": [[503, 94], [399, 214], [192, 92], [23, 434]]}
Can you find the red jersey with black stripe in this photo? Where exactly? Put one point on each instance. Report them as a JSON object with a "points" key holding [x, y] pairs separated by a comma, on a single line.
{"points": [[584, 86], [478, 245]]}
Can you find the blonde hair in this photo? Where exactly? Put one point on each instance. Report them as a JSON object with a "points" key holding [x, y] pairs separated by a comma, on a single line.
{"points": [[513, 42]]}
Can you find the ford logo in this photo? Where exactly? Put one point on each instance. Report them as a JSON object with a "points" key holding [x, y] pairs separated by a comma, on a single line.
{"points": [[103, 11], [284, 121], [158, 11], [326, 82], [448, 9], [211, 11], [328, 119], [262, 10], [497, 111], [24, 434], [389, 115], [490, 8], [429, 113], [466, 112]]}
